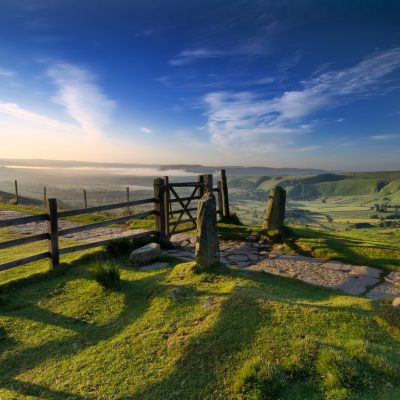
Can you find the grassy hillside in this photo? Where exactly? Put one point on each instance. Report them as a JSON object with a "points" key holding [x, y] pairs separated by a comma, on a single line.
{"points": [[323, 201], [176, 333], [308, 187]]}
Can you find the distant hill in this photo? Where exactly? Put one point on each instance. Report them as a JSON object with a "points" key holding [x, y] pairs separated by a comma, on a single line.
{"points": [[309, 187], [191, 168], [6, 197]]}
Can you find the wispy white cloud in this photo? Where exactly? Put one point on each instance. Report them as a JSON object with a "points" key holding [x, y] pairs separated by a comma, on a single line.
{"points": [[340, 120], [15, 111], [247, 120], [188, 56], [147, 32], [82, 97], [387, 136], [146, 130], [6, 72]]}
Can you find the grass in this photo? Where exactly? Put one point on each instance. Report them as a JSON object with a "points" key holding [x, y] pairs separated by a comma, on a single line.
{"points": [[22, 208], [374, 247], [29, 270], [178, 333], [226, 336], [106, 273]]}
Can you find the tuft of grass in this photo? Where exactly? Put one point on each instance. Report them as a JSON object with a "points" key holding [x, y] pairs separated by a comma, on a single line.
{"points": [[277, 235], [259, 380], [233, 219], [106, 273], [236, 232]]}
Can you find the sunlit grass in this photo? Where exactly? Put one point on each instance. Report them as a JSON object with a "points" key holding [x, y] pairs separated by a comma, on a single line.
{"points": [[176, 333]]}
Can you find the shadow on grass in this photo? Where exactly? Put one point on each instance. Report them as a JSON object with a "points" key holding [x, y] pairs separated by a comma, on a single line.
{"points": [[343, 249], [201, 365], [137, 296]]}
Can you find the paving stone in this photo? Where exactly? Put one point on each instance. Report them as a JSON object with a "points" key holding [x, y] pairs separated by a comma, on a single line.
{"points": [[394, 278], [187, 258], [351, 279], [237, 257], [384, 290], [337, 266], [186, 254], [243, 264], [366, 271]]}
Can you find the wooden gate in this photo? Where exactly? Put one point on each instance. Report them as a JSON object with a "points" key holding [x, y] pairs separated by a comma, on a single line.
{"points": [[177, 203]]}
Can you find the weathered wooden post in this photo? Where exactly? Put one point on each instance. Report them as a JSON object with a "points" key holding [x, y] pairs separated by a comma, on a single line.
{"points": [[159, 207], [16, 192], [127, 199], [201, 183], [44, 197], [52, 230], [167, 205], [225, 196], [207, 244], [208, 184], [85, 197], [220, 203], [275, 213]]}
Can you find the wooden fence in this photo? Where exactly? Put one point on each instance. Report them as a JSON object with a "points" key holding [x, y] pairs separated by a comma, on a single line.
{"points": [[170, 209]]}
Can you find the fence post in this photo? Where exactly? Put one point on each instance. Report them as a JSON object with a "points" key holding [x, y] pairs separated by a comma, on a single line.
{"points": [[201, 188], [208, 184], [225, 197], [16, 192], [85, 197], [44, 196], [220, 204], [127, 199], [167, 204], [159, 207], [52, 230]]}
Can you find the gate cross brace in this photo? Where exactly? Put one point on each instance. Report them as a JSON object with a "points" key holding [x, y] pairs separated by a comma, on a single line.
{"points": [[184, 207]]}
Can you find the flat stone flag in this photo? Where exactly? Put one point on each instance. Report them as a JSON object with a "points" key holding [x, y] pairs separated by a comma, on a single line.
{"points": [[207, 244], [275, 214]]}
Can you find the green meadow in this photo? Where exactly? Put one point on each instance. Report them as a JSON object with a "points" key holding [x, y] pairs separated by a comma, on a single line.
{"points": [[180, 333]]}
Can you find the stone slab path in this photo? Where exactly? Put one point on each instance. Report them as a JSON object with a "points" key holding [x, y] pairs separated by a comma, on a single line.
{"points": [[253, 257], [85, 236]]}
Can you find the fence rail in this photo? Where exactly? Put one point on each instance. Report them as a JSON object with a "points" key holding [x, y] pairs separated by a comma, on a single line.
{"points": [[23, 220], [167, 220]]}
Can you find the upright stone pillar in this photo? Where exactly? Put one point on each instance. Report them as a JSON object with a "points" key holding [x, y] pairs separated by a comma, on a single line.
{"points": [[275, 214], [207, 244]]}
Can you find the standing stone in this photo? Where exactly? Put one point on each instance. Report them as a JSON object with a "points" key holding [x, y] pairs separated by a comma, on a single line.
{"points": [[275, 213], [207, 244]]}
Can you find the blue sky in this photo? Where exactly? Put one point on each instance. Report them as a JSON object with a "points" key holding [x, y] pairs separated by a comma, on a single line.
{"points": [[269, 83]]}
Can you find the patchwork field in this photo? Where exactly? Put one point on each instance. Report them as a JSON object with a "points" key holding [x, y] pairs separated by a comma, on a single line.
{"points": [[325, 201]]}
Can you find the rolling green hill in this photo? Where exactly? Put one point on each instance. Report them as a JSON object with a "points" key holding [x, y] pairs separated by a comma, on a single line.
{"points": [[310, 187]]}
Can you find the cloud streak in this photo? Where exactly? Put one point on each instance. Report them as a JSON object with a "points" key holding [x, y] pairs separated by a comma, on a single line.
{"points": [[247, 120], [82, 98], [15, 111], [6, 72], [388, 136], [188, 56]]}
